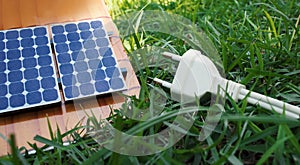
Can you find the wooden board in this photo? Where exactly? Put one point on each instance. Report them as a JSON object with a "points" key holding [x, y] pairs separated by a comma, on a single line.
{"points": [[25, 124]]}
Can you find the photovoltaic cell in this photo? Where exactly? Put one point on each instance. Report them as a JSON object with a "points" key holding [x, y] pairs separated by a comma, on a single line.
{"points": [[27, 76], [86, 61]]}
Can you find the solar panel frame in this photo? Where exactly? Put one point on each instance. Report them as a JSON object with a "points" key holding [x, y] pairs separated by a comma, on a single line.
{"points": [[27, 69], [80, 49]]}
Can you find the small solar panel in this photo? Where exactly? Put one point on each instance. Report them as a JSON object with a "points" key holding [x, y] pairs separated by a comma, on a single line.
{"points": [[27, 74], [86, 61]]}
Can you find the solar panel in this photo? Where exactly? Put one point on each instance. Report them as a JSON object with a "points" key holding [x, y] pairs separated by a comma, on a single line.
{"points": [[86, 61], [27, 74]]}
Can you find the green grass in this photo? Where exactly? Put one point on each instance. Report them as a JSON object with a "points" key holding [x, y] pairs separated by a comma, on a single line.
{"points": [[258, 45]]}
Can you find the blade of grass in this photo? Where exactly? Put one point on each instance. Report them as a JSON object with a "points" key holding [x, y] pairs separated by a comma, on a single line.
{"points": [[294, 33], [272, 24], [271, 150], [279, 157], [293, 140]]}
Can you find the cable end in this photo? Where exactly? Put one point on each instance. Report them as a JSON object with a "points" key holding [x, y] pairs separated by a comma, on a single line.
{"points": [[163, 83], [172, 56]]}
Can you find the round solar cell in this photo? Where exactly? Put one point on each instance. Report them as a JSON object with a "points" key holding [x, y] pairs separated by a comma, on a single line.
{"points": [[2, 56], [17, 100], [29, 63], [71, 27], [102, 42], [13, 44], [48, 83], [112, 72], [75, 46], [87, 89], [44, 60], [50, 95], [86, 35], [32, 85], [109, 61], [84, 26], [41, 31], [89, 44], [105, 52], [31, 73], [60, 38], [26, 33], [99, 33], [77, 56], [15, 76], [12, 35], [34, 98], [71, 92], [13, 54], [1, 36], [3, 103], [96, 24], [59, 29], [27, 52], [63, 58], [62, 48], [2, 45], [27, 42], [46, 71], [91, 53], [102, 86], [95, 64], [73, 37], [42, 50], [66, 69], [43, 40], [69, 80], [3, 90], [116, 83], [2, 66], [81, 66], [16, 88], [14, 65], [84, 77], [98, 75], [3, 78]]}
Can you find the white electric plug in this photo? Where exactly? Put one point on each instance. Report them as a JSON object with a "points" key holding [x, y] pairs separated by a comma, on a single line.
{"points": [[196, 74]]}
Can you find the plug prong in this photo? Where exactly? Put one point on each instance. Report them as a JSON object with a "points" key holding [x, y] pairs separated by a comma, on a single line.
{"points": [[163, 83], [172, 56]]}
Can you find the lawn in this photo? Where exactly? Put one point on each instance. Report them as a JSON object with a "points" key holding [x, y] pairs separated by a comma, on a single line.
{"points": [[254, 43]]}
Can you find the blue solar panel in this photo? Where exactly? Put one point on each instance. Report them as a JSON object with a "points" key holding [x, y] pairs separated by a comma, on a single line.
{"points": [[27, 76], [86, 61]]}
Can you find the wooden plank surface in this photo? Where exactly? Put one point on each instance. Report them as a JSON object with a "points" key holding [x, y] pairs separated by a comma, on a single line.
{"points": [[28, 13], [1, 20], [10, 12], [25, 124]]}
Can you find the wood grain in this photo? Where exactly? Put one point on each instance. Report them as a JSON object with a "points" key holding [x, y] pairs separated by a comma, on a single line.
{"points": [[1, 14], [28, 13], [11, 14]]}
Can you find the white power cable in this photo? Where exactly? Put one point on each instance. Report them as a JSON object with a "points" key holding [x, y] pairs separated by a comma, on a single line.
{"points": [[269, 103], [196, 74]]}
